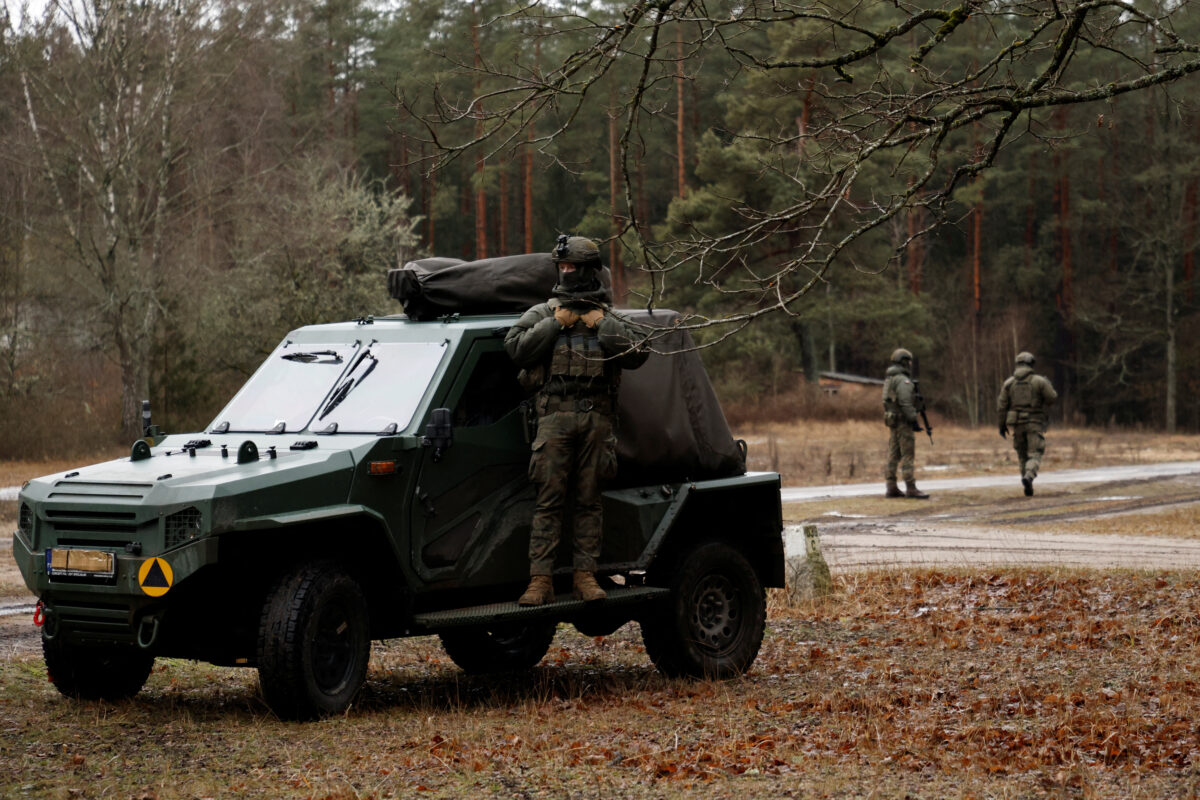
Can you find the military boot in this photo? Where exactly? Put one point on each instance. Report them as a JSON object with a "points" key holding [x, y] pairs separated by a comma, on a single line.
{"points": [[540, 591], [911, 490], [1027, 482], [586, 588], [892, 489]]}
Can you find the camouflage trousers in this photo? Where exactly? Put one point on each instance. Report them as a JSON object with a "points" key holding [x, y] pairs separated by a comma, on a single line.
{"points": [[1029, 440], [572, 454], [902, 445]]}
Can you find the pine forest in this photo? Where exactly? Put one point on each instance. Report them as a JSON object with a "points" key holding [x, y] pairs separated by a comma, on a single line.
{"points": [[812, 182]]}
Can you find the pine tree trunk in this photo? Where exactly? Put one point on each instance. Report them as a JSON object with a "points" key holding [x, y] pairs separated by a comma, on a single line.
{"points": [[1189, 239], [528, 191], [481, 248], [1172, 370], [502, 237], [681, 178], [1065, 301], [429, 187], [1030, 214], [614, 183]]}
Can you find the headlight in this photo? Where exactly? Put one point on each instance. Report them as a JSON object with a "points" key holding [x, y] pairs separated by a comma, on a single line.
{"points": [[25, 522], [182, 526]]}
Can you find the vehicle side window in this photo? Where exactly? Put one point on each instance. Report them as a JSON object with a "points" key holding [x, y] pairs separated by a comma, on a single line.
{"points": [[491, 392]]}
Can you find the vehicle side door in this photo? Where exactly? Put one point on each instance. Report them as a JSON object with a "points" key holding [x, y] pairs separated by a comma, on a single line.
{"points": [[473, 502]]}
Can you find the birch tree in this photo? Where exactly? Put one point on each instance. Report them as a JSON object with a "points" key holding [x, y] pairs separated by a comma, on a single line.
{"points": [[101, 105]]}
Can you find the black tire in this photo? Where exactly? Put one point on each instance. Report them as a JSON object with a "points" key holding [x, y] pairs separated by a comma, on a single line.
{"points": [[96, 673], [712, 625], [313, 643], [503, 648]]}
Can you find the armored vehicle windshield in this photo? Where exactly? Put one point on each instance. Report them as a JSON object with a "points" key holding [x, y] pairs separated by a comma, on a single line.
{"points": [[334, 388]]}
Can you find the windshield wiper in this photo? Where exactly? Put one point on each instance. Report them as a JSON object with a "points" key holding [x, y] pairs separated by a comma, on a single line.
{"points": [[314, 356], [342, 391]]}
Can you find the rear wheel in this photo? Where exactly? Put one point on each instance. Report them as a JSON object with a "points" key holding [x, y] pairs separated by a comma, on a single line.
{"points": [[96, 673], [712, 625], [503, 648], [313, 643]]}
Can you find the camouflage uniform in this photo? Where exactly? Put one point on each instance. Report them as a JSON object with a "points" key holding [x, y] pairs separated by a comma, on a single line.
{"points": [[1021, 408], [577, 372], [900, 415]]}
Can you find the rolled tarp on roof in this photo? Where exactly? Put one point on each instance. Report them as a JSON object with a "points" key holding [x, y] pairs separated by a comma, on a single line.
{"points": [[434, 287]]}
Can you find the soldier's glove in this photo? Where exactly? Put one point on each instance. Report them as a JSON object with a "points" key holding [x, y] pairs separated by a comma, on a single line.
{"points": [[1003, 431], [592, 318], [917, 427], [565, 316]]}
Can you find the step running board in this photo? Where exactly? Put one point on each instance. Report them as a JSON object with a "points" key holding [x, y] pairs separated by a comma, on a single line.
{"points": [[564, 607]]}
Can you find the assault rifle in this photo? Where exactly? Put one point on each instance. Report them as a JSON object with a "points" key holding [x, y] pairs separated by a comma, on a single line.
{"points": [[919, 401]]}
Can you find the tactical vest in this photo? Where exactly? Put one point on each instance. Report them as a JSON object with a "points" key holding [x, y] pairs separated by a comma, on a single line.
{"points": [[891, 402], [577, 365], [1023, 397]]}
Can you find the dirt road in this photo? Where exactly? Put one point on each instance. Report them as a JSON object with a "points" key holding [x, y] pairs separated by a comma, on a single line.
{"points": [[1129, 472], [1138, 517]]}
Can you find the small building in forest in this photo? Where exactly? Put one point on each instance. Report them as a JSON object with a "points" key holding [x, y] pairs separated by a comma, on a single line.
{"points": [[843, 383]]}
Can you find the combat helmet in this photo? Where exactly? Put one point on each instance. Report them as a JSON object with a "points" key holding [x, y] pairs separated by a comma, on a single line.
{"points": [[1025, 358], [582, 282], [575, 250], [900, 354]]}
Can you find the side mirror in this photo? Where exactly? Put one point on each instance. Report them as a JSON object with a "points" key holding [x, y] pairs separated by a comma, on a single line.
{"points": [[439, 432]]}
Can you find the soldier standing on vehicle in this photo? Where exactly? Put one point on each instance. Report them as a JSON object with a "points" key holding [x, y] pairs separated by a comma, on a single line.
{"points": [[900, 415], [1021, 407], [573, 349]]}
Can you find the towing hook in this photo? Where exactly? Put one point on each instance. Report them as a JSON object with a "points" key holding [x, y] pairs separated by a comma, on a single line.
{"points": [[48, 621], [142, 640]]}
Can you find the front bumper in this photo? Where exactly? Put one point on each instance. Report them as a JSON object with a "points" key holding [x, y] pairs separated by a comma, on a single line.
{"points": [[125, 609]]}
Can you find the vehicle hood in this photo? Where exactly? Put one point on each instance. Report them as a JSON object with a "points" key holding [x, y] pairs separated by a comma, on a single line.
{"points": [[174, 475]]}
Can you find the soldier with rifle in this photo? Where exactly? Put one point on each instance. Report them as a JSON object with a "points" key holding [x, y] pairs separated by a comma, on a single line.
{"points": [[902, 403]]}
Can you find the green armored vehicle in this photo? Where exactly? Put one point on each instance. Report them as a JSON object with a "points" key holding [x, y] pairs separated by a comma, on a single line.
{"points": [[370, 482]]}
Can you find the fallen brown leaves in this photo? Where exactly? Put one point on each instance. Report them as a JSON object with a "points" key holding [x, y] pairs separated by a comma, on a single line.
{"points": [[1009, 673], [929, 684]]}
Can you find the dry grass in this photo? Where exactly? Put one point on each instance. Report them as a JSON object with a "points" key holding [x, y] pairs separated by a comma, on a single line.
{"points": [[16, 472], [927, 684], [819, 453], [1180, 522]]}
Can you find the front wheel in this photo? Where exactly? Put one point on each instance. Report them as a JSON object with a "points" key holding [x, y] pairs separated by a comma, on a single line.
{"points": [[96, 673], [313, 643], [713, 623], [503, 648]]}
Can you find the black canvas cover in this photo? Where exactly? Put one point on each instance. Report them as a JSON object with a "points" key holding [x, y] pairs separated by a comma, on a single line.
{"points": [[670, 424], [434, 287], [671, 427]]}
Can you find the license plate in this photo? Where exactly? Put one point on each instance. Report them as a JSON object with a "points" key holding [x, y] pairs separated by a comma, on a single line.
{"points": [[70, 562]]}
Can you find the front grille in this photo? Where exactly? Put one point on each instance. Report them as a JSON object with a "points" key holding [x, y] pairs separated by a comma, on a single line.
{"points": [[25, 522], [96, 489], [71, 527], [87, 621], [182, 526], [108, 516]]}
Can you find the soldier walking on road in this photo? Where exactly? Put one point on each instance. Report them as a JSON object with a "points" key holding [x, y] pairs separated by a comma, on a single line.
{"points": [[573, 349], [900, 415], [1021, 406]]}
